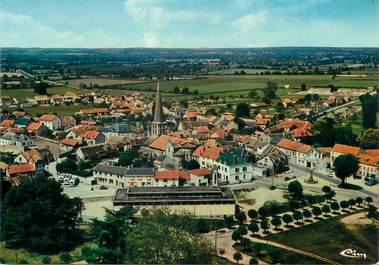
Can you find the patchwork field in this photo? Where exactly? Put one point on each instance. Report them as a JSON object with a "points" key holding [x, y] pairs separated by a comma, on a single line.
{"points": [[24, 93], [101, 81]]}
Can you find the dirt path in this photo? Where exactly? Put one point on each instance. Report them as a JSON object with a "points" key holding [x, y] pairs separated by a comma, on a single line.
{"points": [[356, 219], [225, 242], [299, 251]]}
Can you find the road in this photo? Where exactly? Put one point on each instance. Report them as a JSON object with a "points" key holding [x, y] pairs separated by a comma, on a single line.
{"points": [[364, 192]]}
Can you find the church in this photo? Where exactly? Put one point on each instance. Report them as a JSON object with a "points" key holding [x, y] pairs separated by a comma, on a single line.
{"points": [[158, 123]]}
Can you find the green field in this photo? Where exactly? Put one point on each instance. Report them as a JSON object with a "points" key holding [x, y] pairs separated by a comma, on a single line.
{"points": [[235, 84], [23, 93], [329, 237], [264, 254]]}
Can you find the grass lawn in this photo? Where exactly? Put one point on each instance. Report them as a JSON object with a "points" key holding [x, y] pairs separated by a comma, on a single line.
{"points": [[264, 255], [329, 237], [9, 255], [59, 110], [23, 93]]}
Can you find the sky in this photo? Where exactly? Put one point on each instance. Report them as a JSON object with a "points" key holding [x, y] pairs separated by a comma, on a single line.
{"points": [[188, 23]]}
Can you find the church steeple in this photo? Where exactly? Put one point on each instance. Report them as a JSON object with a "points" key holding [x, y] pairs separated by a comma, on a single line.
{"points": [[157, 125], [158, 110]]}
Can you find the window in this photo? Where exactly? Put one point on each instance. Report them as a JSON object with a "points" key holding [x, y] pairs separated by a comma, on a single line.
{"points": [[237, 170]]}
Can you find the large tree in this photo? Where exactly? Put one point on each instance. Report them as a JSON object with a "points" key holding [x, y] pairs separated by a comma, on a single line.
{"points": [[243, 110], [109, 235], [38, 216], [162, 238], [127, 158], [345, 166], [324, 132], [370, 139], [345, 135], [369, 110], [295, 188]]}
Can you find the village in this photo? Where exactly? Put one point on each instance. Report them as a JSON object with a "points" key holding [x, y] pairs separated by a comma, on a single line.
{"points": [[98, 152]]}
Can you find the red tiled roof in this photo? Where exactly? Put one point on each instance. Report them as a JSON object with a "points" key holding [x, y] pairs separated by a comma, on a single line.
{"points": [[171, 174], [291, 124], [294, 146], [190, 114], [89, 123], [47, 117], [373, 152], [32, 154], [22, 168], [202, 129], [70, 142], [68, 120], [94, 111], [212, 152], [162, 140], [200, 172], [345, 149], [34, 126], [7, 123], [369, 160], [90, 134], [301, 132]]}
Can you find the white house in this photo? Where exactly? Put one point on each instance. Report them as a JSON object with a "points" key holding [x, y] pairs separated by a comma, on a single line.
{"points": [[51, 121]]}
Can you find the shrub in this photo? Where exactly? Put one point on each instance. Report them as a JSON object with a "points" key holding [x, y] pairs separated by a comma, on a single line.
{"points": [[252, 213], [253, 227], [275, 255], [335, 206], [23, 261], [307, 214], [316, 211], [287, 218], [46, 260], [253, 261], [65, 257], [237, 257]]}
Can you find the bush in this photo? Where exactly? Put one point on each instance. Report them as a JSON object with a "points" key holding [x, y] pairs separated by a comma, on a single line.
{"points": [[46, 260], [275, 255], [2, 261], [23, 261], [65, 257], [253, 261], [335, 206]]}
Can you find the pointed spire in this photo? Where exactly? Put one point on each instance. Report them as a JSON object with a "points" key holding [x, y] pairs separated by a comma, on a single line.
{"points": [[158, 110]]}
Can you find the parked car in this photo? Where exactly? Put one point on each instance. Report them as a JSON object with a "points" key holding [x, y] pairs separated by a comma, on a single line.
{"points": [[74, 181], [371, 181], [61, 178], [66, 180]]}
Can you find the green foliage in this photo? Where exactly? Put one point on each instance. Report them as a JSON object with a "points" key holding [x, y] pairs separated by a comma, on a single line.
{"points": [[370, 139], [241, 217], [37, 216], [229, 221], [345, 135], [359, 200], [253, 214], [237, 257], [345, 166], [253, 227], [275, 255], [23, 261], [65, 257], [344, 204], [243, 110], [46, 260], [270, 91], [253, 93], [192, 164], [326, 209], [351, 203], [127, 158], [109, 234], [287, 219], [242, 230], [297, 215], [316, 211], [324, 132], [236, 235], [295, 188], [253, 261], [276, 221], [335, 206], [162, 238], [40, 88], [265, 225], [68, 166], [307, 214], [369, 110]]}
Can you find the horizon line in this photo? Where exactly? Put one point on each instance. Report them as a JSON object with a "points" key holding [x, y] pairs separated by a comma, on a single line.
{"points": [[193, 48]]}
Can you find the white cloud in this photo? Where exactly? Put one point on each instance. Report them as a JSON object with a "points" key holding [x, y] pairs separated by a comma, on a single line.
{"points": [[247, 22], [26, 31], [150, 40]]}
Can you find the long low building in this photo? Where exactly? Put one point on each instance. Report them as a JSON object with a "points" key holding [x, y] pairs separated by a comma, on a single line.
{"points": [[199, 201]]}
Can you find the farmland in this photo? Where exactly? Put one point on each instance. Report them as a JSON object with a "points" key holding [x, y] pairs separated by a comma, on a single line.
{"points": [[101, 81], [224, 84], [24, 93]]}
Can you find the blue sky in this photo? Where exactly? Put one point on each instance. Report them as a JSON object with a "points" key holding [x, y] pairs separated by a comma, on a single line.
{"points": [[188, 23]]}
